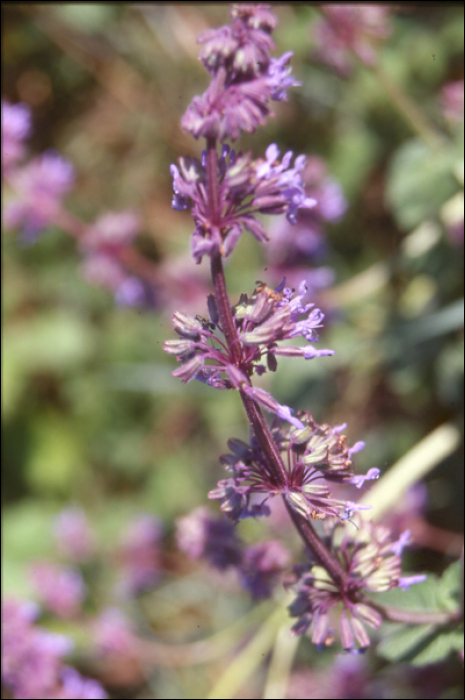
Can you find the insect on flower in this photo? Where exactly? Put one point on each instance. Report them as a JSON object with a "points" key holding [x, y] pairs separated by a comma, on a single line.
{"points": [[272, 293]]}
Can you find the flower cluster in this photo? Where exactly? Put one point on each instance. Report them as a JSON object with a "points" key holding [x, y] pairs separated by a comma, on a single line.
{"points": [[351, 30], [259, 566], [32, 665], [245, 78], [314, 456], [246, 187], [262, 321], [372, 562]]}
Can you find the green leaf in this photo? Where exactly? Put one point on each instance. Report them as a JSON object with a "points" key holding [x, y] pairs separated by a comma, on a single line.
{"points": [[420, 182], [424, 644], [420, 645]]}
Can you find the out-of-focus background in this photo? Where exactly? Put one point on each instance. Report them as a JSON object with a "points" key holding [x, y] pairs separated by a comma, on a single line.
{"points": [[91, 415]]}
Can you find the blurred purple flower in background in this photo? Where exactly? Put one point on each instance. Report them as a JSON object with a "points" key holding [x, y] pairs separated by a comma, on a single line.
{"points": [[139, 555], [452, 99], [103, 243], [347, 31], [202, 535], [32, 659], [60, 589], [291, 249], [262, 566], [76, 687], [74, 535], [112, 633], [16, 127], [112, 231], [39, 190]]}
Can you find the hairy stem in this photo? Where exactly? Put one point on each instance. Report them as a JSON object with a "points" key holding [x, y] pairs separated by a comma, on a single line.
{"points": [[416, 617], [318, 549]]}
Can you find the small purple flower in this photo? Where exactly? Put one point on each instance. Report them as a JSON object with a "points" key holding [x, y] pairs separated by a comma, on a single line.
{"points": [[103, 270], [358, 480], [201, 535], [280, 77], [103, 245], [40, 187], [406, 581], [60, 589], [139, 554], [16, 127], [73, 534]]}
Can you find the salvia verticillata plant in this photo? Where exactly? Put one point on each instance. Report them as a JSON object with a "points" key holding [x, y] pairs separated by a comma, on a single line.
{"points": [[294, 466], [294, 458]]}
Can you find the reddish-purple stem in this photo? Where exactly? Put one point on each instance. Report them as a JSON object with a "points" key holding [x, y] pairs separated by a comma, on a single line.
{"points": [[254, 414]]}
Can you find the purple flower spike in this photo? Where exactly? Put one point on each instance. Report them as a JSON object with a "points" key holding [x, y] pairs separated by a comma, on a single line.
{"points": [[245, 79], [200, 534]]}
